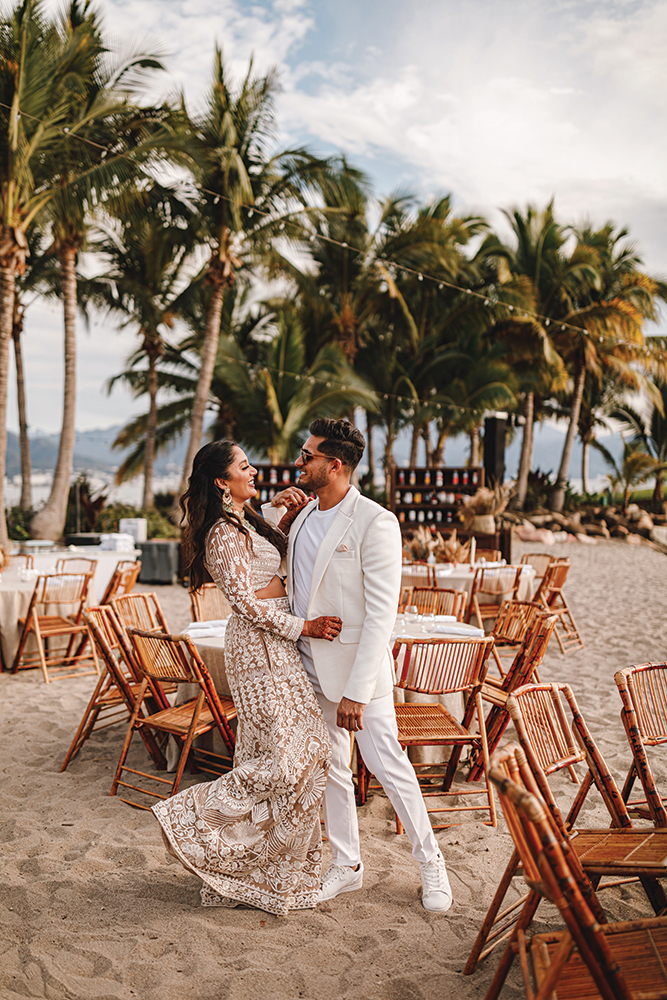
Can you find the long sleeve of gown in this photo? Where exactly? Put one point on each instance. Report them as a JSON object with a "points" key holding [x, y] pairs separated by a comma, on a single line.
{"points": [[228, 562]]}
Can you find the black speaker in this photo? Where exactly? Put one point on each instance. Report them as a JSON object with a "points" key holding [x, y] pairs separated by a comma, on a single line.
{"points": [[494, 450]]}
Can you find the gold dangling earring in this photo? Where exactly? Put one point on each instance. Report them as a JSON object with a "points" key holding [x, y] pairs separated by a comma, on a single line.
{"points": [[227, 502]]}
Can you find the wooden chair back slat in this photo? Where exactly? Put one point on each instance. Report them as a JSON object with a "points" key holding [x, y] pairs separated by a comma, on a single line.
{"points": [[539, 561], [537, 713], [555, 576], [488, 555], [209, 604], [647, 687], [439, 666], [140, 611], [23, 559], [76, 564], [62, 588], [123, 579], [643, 691], [161, 657], [417, 575], [531, 654], [436, 600], [514, 620]]}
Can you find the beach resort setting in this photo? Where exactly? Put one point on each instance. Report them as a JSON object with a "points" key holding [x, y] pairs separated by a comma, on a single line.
{"points": [[333, 547]]}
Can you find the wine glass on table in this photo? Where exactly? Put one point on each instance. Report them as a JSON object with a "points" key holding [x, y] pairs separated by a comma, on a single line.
{"points": [[428, 621], [411, 614]]}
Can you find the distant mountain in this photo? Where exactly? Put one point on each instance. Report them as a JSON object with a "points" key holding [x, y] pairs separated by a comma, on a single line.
{"points": [[93, 451]]}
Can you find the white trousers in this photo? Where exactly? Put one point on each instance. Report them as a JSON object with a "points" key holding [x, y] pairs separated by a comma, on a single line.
{"points": [[384, 757]]}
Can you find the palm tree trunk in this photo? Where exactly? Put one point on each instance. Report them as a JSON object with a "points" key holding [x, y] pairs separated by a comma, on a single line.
{"points": [[558, 493], [657, 489], [24, 441], [526, 460], [426, 435], [473, 461], [414, 444], [437, 456], [49, 522], [208, 356], [370, 447], [151, 424], [7, 291], [585, 457]]}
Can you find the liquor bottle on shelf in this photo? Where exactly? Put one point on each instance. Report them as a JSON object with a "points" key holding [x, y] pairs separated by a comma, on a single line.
{"points": [[397, 496], [411, 515], [407, 497], [465, 477], [263, 496], [401, 516], [427, 478], [412, 479], [272, 493], [455, 477], [475, 477], [260, 475], [439, 480], [273, 476], [286, 475], [401, 478], [418, 498], [420, 515], [438, 515]]}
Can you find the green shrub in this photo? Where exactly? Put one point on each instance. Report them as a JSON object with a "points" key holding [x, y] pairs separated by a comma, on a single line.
{"points": [[157, 525], [18, 522]]}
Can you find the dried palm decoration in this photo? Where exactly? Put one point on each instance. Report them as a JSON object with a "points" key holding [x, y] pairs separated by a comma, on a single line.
{"points": [[485, 501]]}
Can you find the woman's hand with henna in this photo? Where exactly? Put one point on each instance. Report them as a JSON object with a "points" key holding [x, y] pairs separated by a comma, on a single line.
{"points": [[285, 523], [326, 627]]}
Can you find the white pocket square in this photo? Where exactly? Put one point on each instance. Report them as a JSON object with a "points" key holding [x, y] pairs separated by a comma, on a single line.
{"points": [[342, 548]]}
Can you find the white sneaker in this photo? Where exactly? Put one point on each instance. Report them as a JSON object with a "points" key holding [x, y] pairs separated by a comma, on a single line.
{"points": [[436, 890], [340, 878]]}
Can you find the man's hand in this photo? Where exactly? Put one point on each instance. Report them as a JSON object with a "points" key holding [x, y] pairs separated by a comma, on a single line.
{"points": [[291, 497], [350, 714]]}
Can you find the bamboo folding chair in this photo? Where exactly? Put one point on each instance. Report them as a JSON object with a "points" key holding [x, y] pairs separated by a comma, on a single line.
{"points": [[513, 621], [591, 957], [23, 559], [209, 604], [115, 694], [437, 667], [174, 658], [122, 579], [416, 574], [551, 596], [539, 561], [488, 555], [524, 667], [498, 582], [549, 745], [76, 564], [65, 590], [437, 600], [643, 691]]}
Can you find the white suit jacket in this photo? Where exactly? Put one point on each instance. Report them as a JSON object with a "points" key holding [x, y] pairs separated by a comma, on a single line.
{"points": [[357, 576]]}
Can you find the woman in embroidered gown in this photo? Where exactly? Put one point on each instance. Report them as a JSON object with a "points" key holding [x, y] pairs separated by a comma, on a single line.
{"points": [[253, 835]]}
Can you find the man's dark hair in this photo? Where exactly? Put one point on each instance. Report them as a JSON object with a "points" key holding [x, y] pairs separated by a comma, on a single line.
{"points": [[342, 440]]}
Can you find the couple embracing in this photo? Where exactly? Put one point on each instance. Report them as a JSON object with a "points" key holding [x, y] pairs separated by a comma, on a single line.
{"points": [[306, 667]]}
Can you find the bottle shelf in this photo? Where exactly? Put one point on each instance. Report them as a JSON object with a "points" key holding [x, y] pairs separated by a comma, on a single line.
{"points": [[445, 487]]}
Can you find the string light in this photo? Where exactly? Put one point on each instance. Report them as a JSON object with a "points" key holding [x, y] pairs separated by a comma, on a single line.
{"points": [[314, 237]]}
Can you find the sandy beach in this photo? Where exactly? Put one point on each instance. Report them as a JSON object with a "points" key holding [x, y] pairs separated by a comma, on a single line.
{"points": [[92, 908]]}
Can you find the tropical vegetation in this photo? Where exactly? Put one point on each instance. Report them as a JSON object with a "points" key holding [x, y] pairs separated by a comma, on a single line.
{"points": [[267, 286]]}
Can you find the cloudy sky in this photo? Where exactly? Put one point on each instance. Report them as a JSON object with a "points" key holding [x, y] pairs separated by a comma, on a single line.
{"points": [[498, 102]]}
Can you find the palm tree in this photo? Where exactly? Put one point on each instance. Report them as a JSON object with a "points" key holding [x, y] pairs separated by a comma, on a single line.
{"points": [[604, 317], [650, 432], [115, 140], [635, 468], [146, 254], [237, 174], [264, 391]]}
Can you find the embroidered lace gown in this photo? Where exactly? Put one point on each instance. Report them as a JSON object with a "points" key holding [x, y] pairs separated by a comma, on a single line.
{"points": [[254, 834]]}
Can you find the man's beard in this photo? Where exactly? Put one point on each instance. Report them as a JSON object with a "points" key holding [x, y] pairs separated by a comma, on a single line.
{"points": [[317, 479]]}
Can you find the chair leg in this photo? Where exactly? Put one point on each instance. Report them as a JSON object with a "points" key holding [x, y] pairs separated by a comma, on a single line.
{"points": [[40, 649], [187, 744], [478, 614], [128, 739], [27, 628], [491, 915], [88, 720], [505, 964]]}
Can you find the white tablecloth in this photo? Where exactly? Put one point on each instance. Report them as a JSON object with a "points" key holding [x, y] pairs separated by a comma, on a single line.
{"points": [[461, 576]]}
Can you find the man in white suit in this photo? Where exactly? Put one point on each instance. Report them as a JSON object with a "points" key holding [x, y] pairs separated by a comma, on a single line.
{"points": [[344, 559]]}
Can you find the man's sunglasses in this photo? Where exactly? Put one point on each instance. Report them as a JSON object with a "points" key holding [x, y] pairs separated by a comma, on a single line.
{"points": [[306, 456]]}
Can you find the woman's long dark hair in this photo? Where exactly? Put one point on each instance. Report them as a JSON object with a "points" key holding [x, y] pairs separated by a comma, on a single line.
{"points": [[201, 505]]}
